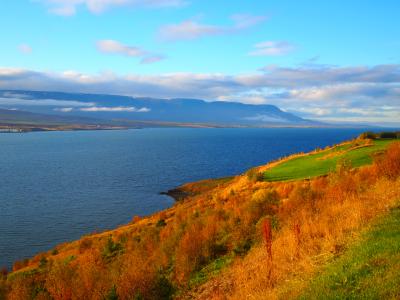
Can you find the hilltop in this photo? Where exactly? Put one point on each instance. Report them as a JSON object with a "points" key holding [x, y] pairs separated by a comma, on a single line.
{"points": [[258, 235]]}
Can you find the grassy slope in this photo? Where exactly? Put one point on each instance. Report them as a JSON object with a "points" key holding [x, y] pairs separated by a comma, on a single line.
{"points": [[370, 269], [204, 195], [323, 162]]}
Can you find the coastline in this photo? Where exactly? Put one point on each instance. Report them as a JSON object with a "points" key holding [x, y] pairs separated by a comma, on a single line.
{"points": [[28, 128]]}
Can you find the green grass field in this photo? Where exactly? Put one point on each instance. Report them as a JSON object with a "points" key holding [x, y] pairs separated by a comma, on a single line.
{"points": [[323, 162], [370, 269]]}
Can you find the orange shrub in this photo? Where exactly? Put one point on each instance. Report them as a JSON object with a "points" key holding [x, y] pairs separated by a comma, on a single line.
{"points": [[389, 164], [84, 244], [60, 279], [135, 277]]}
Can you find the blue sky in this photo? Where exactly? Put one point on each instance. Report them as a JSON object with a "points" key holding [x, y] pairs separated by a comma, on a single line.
{"points": [[247, 51]]}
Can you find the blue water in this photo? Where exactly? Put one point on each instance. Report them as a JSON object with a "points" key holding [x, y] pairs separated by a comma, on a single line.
{"points": [[58, 186]]}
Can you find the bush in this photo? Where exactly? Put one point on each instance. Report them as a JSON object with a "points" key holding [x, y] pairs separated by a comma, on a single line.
{"points": [[263, 202], [112, 294], [367, 135], [111, 248], [43, 262], [19, 264], [389, 164], [268, 197], [3, 288], [136, 219], [243, 247], [161, 223], [381, 135], [388, 135], [254, 175], [84, 244], [163, 288]]}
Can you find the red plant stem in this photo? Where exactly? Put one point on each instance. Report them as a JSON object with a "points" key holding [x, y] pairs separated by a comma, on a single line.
{"points": [[267, 230]]}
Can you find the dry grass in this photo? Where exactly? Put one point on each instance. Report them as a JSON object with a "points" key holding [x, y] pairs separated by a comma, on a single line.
{"points": [[323, 231]]}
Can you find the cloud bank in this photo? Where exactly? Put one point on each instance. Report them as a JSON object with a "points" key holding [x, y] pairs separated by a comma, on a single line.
{"points": [[358, 93], [14, 99]]}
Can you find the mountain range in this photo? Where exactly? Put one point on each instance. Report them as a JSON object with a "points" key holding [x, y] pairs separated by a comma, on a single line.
{"points": [[67, 108]]}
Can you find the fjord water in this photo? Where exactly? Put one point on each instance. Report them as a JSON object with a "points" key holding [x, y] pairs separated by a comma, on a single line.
{"points": [[58, 186]]}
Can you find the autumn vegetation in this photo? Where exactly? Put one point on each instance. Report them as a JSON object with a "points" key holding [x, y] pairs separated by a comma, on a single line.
{"points": [[234, 238]]}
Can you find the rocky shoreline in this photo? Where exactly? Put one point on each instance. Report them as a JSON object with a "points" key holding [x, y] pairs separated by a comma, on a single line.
{"points": [[178, 194]]}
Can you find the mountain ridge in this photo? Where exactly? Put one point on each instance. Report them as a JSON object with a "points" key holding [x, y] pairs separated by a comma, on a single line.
{"points": [[180, 110]]}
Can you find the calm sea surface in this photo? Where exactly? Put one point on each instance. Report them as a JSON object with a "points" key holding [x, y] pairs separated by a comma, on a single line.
{"points": [[58, 186]]}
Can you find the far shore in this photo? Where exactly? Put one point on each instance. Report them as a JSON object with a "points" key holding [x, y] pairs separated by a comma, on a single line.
{"points": [[25, 128]]}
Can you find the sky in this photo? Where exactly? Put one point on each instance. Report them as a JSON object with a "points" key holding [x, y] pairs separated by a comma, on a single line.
{"points": [[334, 61]]}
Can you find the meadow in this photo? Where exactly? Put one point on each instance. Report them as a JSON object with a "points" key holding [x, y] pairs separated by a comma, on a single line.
{"points": [[355, 153]]}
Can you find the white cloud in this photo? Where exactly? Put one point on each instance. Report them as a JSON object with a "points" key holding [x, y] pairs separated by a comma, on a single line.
{"points": [[152, 59], [187, 30], [115, 47], [192, 29], [115, 109], [65, 10], [272, 48], [315, 111], [43, 102], [70, 7], [25, 49], [267, 118], [64, 109], [243, 21], [15, 95]]}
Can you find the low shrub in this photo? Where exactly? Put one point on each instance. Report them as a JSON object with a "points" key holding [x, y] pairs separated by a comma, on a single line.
{"points": [[367, 135], [243, 247], [388, 135], [111, 248], [84, 245], [161, 223], [254, 175], [163, 288]]}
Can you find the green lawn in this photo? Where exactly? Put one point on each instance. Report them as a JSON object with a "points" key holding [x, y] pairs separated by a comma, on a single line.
{"points": [[324, 162], [370, 269]]}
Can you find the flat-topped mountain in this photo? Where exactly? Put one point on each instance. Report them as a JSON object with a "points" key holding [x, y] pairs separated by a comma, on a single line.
{"points": [[114, 107]]}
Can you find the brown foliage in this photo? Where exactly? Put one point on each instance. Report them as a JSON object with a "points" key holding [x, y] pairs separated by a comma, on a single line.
{"points": [[84, 244], [135, 277], [59, 281], [19, 264]]}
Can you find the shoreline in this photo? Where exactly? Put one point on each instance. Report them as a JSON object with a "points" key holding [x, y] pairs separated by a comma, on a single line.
{"points": [[177, 194], [47, 128], [26, 128]]}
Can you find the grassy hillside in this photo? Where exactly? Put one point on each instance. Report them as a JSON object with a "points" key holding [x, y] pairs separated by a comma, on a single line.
{"points": [[357, 153], [232, 238], [370, 269]]}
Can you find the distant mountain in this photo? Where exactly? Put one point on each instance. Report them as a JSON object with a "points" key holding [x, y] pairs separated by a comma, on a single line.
{"points": [[126, 109], [8, 116]]}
